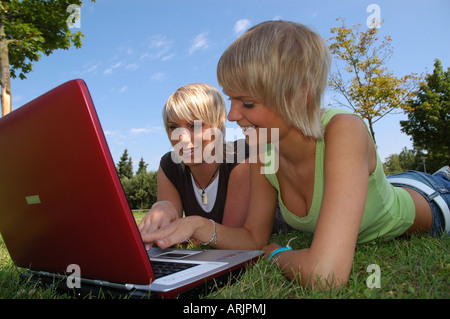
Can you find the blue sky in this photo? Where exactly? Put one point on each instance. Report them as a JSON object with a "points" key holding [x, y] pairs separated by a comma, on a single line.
{"points": [[138, 52]]}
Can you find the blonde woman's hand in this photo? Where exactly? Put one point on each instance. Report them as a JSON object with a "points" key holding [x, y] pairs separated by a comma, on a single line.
{"points": [[161, 214]]}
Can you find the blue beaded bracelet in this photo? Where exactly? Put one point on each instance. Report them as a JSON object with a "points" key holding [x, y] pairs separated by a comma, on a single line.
{"points": [[279, 250]]}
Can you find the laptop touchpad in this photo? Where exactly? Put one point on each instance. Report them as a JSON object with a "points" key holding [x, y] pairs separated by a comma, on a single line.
{"points": [[177, 254]]}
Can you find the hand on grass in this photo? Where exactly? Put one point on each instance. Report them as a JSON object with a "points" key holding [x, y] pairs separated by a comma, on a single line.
{"points": [[269, 249]]}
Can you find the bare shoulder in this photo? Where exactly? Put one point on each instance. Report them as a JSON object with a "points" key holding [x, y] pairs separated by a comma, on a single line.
{"points": [[241, 168], [347, 128], [346, 122]]}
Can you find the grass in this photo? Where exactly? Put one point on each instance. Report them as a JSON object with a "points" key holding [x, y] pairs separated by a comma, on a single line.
{"points": [[414, 268]]}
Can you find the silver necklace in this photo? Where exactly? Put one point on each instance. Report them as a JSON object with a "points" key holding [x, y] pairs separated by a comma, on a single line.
{"points": [[204, 196]]}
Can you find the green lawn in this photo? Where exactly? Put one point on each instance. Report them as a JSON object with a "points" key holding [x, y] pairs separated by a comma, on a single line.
{"points": [[415, 268], [418, 267]]}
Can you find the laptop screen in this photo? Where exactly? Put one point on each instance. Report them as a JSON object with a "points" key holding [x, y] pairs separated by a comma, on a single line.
{"points": [[61, 201]]}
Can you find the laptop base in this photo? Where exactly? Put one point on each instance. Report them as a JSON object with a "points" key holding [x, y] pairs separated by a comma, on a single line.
{"points": [[63, 207], [96, 291]]}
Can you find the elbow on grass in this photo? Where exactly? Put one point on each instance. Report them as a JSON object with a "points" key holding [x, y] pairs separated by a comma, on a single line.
{"points": [[320, 281]]}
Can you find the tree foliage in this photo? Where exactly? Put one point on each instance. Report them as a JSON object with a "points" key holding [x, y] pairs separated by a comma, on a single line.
{"points": [[125, 166], [405, 161], [369, 88], [29, 28], [429, 116], [140, 188]]}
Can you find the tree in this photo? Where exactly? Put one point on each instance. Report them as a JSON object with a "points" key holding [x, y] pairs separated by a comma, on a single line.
{"points": [[429, 117], [125, 166], [370, 89], [141, 190], [29, 28], [142, 168], [405, 161]]}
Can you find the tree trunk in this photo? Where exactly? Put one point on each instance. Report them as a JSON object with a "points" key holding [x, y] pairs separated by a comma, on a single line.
{"points": [[6, 101], [371, 130], [5, 79]]}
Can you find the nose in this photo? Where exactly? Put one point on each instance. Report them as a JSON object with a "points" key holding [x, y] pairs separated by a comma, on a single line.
{"points": [[184, 136], [181, 135], [234, 115]]}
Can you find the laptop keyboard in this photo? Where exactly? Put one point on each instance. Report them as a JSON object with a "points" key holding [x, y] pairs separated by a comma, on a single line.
{"points": [[163, 268]]}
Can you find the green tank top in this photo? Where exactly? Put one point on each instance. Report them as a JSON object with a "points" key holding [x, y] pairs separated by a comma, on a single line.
{"points": [[389, 210]]}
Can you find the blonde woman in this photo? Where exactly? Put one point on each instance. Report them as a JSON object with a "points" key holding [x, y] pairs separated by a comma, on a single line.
{"points": [[330, 179], [203, 176]]}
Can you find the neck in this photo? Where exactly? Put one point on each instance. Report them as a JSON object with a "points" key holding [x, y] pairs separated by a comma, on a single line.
{"points": [[203, 173], [294, 147]]}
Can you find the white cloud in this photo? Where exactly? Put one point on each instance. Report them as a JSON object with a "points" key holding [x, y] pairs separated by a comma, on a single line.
{"points": [[132, 67], [123, 89], [160, 48], [200, 42], [167, 57], [137, 131], [241, 26], [87, 69], [112, 67], [111, 133], [160, 41], [92, 68], [17, 98], [160, 76]]}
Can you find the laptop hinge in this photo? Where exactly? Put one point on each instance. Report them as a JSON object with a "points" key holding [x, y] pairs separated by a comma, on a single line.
{"points": [[85, 281]]}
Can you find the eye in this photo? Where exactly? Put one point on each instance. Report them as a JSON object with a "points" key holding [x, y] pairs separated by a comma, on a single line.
{"points": [[197, 124], [248, 104]]}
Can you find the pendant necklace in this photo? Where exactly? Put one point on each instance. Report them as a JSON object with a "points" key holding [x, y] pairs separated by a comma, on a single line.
{"points": [[204, 196]]}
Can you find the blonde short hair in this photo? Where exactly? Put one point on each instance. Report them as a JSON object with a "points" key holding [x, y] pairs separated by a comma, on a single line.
{"points": [[284, 65], [197, 101]]}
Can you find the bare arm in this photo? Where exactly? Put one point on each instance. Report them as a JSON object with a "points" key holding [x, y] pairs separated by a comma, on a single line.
{"points": [[167, 209], [253, 235], [327, 263], [238, 196]]}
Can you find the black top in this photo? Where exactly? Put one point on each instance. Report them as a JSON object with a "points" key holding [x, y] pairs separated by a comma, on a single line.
{"points": [[180, 176]]}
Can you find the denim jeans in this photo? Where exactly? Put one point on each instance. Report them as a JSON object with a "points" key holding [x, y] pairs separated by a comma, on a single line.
{"points": [[441, 186]]}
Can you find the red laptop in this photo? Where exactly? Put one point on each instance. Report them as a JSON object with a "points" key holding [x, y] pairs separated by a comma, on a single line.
{"points": [[62, 206]]}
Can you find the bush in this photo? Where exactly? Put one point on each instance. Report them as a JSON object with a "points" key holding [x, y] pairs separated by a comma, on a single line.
{"points": [[140, 190]]}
